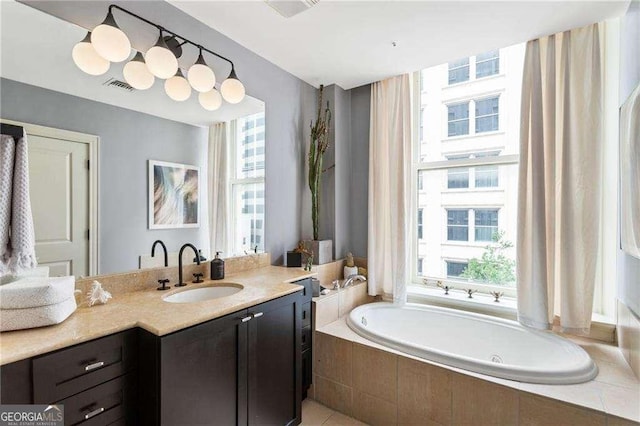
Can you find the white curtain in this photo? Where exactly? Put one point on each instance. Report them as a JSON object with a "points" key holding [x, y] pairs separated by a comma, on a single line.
{"points": [[218, 178], [390, 188], [560, 180]]}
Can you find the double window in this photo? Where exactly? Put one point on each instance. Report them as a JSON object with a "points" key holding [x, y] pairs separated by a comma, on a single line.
{"points": [[482, 224], [472, 177], [484, 64], [486, 116]]}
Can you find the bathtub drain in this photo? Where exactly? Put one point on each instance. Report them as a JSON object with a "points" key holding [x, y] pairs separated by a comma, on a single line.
{"points": [[364, 321], [496, 358]]}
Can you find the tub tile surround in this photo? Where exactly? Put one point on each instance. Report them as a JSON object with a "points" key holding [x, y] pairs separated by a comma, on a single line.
{"points": [[136, 303], [629, 337], [430, 393]]}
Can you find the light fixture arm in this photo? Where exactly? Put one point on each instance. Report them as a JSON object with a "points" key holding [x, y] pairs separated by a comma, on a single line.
{"points": [[163, 29]]}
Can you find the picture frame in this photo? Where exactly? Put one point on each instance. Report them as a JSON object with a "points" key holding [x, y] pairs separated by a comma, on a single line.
{"points": [[630, 174], [174, 195]]}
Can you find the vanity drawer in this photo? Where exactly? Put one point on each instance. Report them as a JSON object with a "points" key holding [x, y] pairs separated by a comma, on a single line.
{"points": [[105, 404], [306, 338], [306, 314], [69, 371]]}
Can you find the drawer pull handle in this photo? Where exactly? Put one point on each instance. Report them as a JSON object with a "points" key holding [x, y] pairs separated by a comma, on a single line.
{"points": [[247, 318], [257, 314], [304, 314], [93, 413], [93, 366]]}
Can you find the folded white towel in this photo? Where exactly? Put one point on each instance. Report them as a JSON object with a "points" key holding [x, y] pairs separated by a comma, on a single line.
{"points": [[19, 319], [39, 271], [7, 153], [33, 292]]}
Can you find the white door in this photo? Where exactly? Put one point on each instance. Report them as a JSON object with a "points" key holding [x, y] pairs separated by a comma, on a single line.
{"points": [[59, 189]]}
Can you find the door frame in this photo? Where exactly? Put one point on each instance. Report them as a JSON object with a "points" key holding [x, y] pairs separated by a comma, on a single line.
{"points": [[93, 143]]}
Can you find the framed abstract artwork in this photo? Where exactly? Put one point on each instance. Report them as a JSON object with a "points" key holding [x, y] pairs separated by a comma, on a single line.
{"points": [[174, 195]]}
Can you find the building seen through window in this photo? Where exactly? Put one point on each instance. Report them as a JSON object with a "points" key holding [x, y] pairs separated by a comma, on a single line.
{"points": [[467, 169]]}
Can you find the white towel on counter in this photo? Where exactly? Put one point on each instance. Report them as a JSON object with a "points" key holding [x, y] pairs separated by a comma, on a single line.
{"points": [[33, 292], [23, 241], [39, 271], [20, 319], [7, 152]]}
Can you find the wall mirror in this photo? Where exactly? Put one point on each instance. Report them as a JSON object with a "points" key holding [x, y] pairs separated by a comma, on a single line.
{"points": [[94, 144], [630, 174]]}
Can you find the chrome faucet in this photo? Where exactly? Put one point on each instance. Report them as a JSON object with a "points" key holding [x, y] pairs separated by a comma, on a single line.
{"points": [[352, 278], [153, 251], [195, 251]]}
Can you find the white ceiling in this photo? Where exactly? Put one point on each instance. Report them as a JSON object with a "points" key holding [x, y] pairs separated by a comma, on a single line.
{"points": [[35, 48], [350, 42]]}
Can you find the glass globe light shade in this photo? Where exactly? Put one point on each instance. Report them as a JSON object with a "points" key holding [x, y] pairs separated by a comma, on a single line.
{"points": [[177, 87], [200, 76], [87, 59], [211, 100], [137, 74], [232, 89], [161, 61], [110, 41]]}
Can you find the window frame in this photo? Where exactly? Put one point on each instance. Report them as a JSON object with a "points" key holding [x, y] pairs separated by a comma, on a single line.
{"points": [[235, 183], [418, 165]]}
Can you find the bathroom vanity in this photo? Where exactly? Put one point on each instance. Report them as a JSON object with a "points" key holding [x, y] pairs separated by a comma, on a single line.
{"points": [[244, 367]]}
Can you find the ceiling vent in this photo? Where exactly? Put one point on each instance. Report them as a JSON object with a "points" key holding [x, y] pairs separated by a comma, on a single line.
{"points": [[289, 8], [118, 84]]}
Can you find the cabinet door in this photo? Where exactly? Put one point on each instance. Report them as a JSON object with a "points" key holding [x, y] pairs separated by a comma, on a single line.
{"points": [[203, 374], [275, 362]]}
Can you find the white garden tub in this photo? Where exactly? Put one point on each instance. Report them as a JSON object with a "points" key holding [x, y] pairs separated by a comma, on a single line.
{"points": [[474, 342]]}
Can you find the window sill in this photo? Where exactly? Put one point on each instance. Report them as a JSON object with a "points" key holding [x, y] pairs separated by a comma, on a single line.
{"points": [[480, 303], [472, 136], [602, 328], [473, 80]]}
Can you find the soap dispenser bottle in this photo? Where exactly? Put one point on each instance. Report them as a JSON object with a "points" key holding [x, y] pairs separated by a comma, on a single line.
{"points": [[217, 267]]}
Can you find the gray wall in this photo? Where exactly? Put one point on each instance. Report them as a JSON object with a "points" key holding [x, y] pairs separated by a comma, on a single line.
{"points": [[289, 108], [628, 266], [359, 180], [127, 140], [342, 106]]}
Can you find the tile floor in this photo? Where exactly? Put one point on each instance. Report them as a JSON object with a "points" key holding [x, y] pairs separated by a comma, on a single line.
{"points": [[316, 414]]}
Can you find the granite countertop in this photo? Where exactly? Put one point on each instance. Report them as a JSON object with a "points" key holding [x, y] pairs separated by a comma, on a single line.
{"points": [[147, 310]]}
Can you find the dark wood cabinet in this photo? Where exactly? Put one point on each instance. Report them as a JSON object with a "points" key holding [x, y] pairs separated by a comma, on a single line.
{"points": [[242, 369], [247, 368], [306, 343], [96, 381]]}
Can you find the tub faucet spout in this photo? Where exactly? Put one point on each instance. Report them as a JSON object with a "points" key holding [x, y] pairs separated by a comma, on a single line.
{"points": [[353, 278]]}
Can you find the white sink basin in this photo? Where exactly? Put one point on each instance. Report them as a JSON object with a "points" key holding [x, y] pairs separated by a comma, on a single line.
{"points": [[204, 293]]}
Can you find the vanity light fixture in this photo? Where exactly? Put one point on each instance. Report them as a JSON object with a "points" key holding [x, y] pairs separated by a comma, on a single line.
{"points": [[87, 59], [211, 100], [137, 74], [108, 43], [177, 87], [232, 88], [160, 60], [201, 77]]}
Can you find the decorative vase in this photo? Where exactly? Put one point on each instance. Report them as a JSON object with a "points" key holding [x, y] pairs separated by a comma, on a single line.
{"points": [[322, 250]]}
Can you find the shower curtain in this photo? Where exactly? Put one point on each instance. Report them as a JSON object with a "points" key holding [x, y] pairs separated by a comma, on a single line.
{"points": [[560, 180], [390, 159], [17, 238]]}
